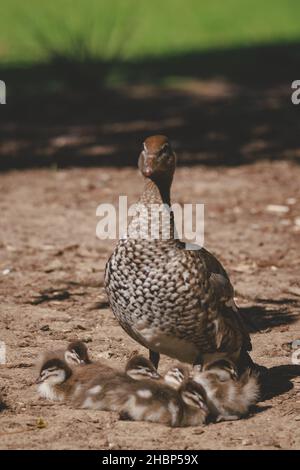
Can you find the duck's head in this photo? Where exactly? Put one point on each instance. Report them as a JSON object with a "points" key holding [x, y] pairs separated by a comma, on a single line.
{"points": [[54, 372], [157, 160], [139, 367], [77, 353]]}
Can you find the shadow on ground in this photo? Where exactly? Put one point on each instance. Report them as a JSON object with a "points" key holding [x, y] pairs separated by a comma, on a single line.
{"points": [[277, 380], [259, 318], [226, 107]]}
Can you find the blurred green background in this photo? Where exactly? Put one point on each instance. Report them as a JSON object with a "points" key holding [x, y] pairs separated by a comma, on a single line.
{"points": [[88, 80], [34, 30]]}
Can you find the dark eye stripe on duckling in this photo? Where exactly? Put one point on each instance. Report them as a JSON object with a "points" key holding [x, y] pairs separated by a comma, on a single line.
{"points": [[51, 369], [194, 398]]}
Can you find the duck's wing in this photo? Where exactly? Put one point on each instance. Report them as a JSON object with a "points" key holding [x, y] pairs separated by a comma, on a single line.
{"points": [[223, 290], [218, 277]]}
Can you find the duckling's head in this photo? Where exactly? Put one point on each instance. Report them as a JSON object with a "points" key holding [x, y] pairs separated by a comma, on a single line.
{"points": [[225, 369], [77, 353], [138, 368], [194, 395], [54, 372], [176, 376], [157, 160]]}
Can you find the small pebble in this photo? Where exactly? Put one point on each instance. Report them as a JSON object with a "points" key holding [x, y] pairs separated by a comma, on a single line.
{"points": [[277, 209], [6, 271]]}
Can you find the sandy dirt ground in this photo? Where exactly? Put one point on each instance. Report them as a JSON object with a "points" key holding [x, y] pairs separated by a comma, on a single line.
{"points": [[51, 288]]}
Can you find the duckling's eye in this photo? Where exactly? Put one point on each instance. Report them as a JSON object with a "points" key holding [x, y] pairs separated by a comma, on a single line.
{"points": [[75, 354]]}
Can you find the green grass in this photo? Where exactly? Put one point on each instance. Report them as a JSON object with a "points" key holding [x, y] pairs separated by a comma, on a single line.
{"points": [[33, 30]]}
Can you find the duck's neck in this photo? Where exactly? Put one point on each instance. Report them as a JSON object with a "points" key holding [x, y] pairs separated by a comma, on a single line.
{"points": [[154, 221], [156, 193]]}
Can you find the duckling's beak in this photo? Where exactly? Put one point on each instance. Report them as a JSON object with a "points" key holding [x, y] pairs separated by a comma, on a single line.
{"points": [[39, 380], [155, 375]]}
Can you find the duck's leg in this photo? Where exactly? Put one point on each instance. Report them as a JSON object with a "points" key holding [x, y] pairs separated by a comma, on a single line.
{"points": [[154, 358]]}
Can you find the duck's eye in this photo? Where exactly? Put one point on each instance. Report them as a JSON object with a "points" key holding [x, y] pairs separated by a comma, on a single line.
{"points": [[165, 149]]}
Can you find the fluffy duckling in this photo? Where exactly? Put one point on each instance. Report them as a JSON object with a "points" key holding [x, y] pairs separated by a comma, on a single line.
{"points": [[156, 402], [53, 381], [195, 409], [58, 381], [228, 397], [139, 367], [176, 376], [77, 353]]}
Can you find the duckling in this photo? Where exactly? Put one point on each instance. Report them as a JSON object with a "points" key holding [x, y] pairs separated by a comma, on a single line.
{"points": [[170, 299], [156, 403], [228, 397], [139, 367], [77, 353], [53, 380], [176, 376], [58, 381], [195, 408]]}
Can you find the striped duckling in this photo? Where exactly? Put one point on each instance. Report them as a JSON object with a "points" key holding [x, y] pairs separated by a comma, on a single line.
{"points": [[229, 397], [59, 381], [76, 353], [168, 297], [176, 376], [139, 367]]}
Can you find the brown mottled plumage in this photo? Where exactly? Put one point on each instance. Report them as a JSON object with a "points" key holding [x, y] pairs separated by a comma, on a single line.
{"points": [[172, 300]]}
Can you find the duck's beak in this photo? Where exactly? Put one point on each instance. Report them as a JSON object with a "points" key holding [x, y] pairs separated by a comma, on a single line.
{"points": [[149, 165], [39, 380]]}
